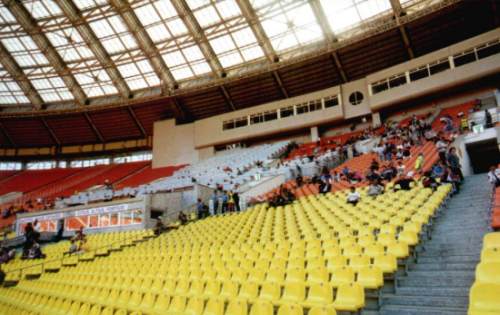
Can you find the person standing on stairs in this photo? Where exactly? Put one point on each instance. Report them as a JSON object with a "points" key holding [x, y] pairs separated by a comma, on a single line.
{"points": [[454, 163]]}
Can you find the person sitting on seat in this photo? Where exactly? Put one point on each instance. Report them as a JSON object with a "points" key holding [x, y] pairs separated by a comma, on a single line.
{"points": [[73, 248], [353, 197], [183, 218], [376, 188], [403, 182], [428, 181]]}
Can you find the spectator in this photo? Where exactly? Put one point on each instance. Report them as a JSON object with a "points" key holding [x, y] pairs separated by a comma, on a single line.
{"points": [[441, 147], [215, 202], [200, 208], [375, 189], [403, 183], [493, 177], [236, 198], [73, 247], [159, 226], [183, 218], [428, 181], [400, 168], [225, 199], [79, 235], [454, 163], [353, 197], [230, 201], [419, 162], [487, 119]]}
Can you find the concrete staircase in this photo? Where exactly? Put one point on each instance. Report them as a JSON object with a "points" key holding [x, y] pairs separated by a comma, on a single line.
{"points": [[438, 281]]}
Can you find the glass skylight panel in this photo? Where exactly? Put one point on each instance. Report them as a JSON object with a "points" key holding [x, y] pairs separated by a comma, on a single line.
{"points": [[52, 89], [186, 63], [87, 4], [343, 14], [96, 83], [6, 16], [139, 75], [114, 34], [42, 8], [289, 24], [10, 91], [207, 16], [70, 45], [24, 51]]}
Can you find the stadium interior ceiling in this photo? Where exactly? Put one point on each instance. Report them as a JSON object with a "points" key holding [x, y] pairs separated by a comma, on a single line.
{"points": [[69, 68]]}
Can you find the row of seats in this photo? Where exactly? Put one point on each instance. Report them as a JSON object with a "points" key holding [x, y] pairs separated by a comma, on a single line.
{"points": [[83, 302], [485, 292], [96, 244]]}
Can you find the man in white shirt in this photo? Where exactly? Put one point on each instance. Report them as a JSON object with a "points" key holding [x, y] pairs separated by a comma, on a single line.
{"points": [[353, 197], [493, 177]]}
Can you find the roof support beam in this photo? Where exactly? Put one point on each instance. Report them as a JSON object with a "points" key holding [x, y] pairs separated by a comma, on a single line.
{"points": [[51, 132], [94, 128], [29, 24], [145, 43], [7, 135], [253, 20], [10, 64], [137, 122], [329, 35], [186, 14], [398, 11], [227, 96], [75, 16], [283, 90]]}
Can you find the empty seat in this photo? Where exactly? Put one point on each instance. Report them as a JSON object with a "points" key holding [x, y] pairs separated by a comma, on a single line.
{"points": [[488, 273], [262, 308], [349, 297], [290, 309], [319, 295], [483, 299]]}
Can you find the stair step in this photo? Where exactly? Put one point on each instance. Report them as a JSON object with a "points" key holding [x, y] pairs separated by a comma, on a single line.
{"points": [[448, 259], [436, 282], [431, 266], [436, 291], [434, 301], [441, 274], [421, 310]]}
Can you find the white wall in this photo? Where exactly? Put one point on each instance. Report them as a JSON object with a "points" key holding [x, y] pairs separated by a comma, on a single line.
{"points": [[173, 144]]}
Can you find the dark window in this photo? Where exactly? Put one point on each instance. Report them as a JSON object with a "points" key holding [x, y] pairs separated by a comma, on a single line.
{"points": [[270, 116], [380, 87], [302, 109], [488, 51], [397, 81], [286, 112], [331, 102], [228, 125], [356, 98], [255, 119], [439, 67], [314, 105], [464, 59], [418, 74], [242, 122]]}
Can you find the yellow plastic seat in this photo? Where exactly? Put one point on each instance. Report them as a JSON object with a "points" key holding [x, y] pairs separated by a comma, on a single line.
{"points": [[248, 291], [322, 311], [386, 263], [275, 275], [336, 263], [491, 240], [370, 277], [296, 275], [488, 273], [270, 291], [229, 290], [290, 309], [236, 307], [358, 262], [398, 249], [262, 308], [349, 297], [319, 295], [294, 292], [319, 275], [177, 305], [214, 307], [490, 255], [483, 299], [194, 306], [212, 289]]}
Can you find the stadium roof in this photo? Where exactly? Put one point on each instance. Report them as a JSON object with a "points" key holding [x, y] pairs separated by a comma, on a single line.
{"points": [[192, 59]]}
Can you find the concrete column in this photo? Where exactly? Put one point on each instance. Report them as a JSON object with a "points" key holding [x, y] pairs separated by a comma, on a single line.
{"points": [[314, 134]]}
